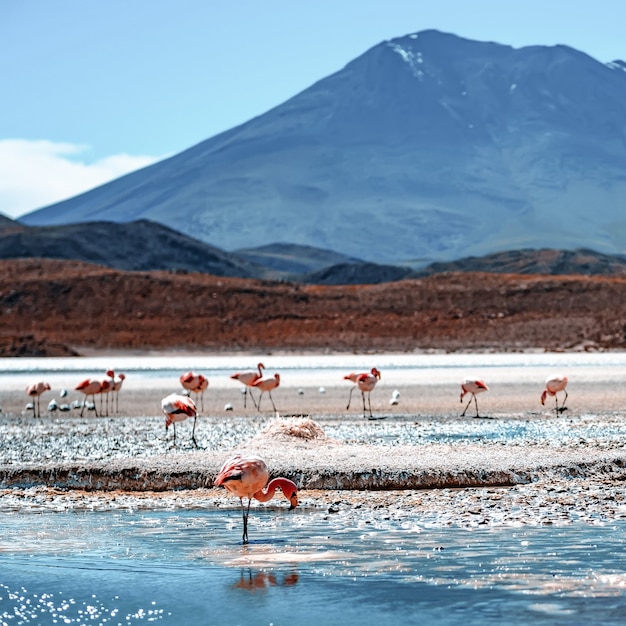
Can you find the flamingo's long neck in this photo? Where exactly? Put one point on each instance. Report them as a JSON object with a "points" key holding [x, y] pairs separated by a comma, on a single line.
{"points": [[265, 495]]}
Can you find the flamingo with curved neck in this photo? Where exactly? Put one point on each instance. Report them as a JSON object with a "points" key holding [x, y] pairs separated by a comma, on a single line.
{"points": [[554, 384], [247, 379], [247, 477]]}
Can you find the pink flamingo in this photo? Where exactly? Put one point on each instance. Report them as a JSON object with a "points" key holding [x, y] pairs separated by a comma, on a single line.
{"points": [[248, 378], [203, 385], [105, 388], [366, 383], [89, 388], [247, 477], [473, 386], [554, 384], [267, 383], [178, 408], [34, 391], [116, 385], [194, 382]]}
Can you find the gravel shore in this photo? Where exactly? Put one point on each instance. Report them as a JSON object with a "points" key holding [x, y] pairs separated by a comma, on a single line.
{"points": [[520, 464]]}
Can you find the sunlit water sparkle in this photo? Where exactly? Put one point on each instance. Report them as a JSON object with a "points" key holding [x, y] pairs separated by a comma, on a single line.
{"points": [[189, 567]]}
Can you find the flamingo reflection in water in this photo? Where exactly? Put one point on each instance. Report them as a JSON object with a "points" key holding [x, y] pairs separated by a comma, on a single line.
{"points": [[261, 580]]}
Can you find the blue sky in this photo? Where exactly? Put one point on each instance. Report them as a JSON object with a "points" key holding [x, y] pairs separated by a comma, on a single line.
{"points": [[95, 89]]}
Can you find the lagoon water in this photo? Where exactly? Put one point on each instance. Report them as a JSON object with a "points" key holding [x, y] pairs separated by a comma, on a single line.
{"points": [[188, 567], [312, 369]]}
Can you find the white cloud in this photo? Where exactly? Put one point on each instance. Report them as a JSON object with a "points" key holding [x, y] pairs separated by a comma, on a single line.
{"points": [[34, 174]]}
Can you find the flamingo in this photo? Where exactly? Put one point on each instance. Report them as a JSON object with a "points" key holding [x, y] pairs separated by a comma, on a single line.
{"points": [[178, 408], [248, 378], [366, 383], [116, 385], [34, 391], [554, 384], [105, 387], [351, 377], [267, 383], [89, 388], [203, 385], [247, 477], [473, 386], [193, 382]]}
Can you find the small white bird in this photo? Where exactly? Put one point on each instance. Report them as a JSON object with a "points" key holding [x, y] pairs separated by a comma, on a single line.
{"points": [[228, 407], [395, 397], [322, 389], [52, 405], [63, 393]]}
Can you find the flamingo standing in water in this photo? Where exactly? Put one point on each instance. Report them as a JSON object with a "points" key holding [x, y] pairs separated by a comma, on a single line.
{"points": [[89, 388], [196, 383], [247, 477], [116, 385], [178, 408], [248, 378], [267, 383], [554, 384], [34, 391], [473, 386], [366, 383]]}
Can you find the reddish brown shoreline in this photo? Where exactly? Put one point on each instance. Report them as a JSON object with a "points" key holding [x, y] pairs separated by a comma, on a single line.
{"points": [[47, 307]]}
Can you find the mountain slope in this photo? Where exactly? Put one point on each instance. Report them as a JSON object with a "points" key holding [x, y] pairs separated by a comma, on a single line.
{"points": [[427, 147], [140, 245], [545, 262], [289, 259]]}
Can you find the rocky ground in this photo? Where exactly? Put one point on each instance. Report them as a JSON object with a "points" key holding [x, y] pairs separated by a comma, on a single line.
{"points": [[519, 465], [61, 308]]}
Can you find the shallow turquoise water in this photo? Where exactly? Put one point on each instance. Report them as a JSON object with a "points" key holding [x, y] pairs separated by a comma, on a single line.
{"points": [[189, 567]]}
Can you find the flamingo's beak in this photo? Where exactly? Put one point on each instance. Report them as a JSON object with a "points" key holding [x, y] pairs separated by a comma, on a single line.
{"points": [[293, 500]]}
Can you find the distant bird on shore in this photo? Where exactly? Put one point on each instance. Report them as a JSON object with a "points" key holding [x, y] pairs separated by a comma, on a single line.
{"points": [[247, 477], [395, 398], [178, 408], [366, 383], [116, 386], [473, 386], [554, 384], [247, 379], [195, 383], [34, 391], [89, 388], [266, 383]]}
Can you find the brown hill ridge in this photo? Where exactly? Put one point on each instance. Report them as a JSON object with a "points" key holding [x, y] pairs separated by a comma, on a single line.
{"points": [[66, 307]]}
